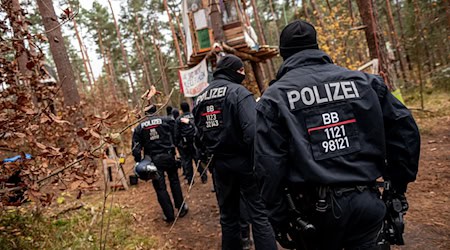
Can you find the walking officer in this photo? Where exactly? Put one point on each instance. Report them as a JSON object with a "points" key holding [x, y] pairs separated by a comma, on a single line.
{"points": [[155, 136], [225, 118], [185, 132], [324, 134]]}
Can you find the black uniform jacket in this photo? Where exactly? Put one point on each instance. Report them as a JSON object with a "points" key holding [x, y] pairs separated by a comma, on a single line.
{"points": [[321, 124], [225, 118], [155, 135], [184, 129]]}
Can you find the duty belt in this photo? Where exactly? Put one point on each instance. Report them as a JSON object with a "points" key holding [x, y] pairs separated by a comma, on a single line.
{"points": [[326, 194]]}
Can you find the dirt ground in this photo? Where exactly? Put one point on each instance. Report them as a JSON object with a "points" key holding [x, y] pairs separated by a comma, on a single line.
{"points": [[427, 221]]}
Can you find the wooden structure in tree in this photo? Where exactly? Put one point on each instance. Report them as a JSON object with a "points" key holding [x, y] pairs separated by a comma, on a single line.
{"points": [[213, 26]]}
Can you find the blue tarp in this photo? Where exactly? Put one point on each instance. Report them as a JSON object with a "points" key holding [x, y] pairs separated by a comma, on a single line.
{"points": [[15, 158]]}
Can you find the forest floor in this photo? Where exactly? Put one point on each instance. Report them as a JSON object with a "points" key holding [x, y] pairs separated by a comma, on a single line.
{"points": [[427, 221]]}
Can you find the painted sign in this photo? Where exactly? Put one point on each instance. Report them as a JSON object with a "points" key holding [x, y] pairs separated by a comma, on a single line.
{"points": [[194, 80]]}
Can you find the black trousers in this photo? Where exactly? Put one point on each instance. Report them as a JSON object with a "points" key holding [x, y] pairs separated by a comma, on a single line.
{"points": [[189, 153], [354, 220], [244, 219], [231, 183], [165, 163]]}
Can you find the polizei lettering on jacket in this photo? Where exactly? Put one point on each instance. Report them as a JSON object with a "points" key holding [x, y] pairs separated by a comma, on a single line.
{"points": [[151, 123], [212, 94], [328, 92]]}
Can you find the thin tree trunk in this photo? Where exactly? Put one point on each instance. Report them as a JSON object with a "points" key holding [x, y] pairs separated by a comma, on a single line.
{"points": [[397, 43], [447, 14], [59, 52], [402, 34], [181, 32], [319, 15], [275, 20], [350, 9], [296, 12], [421, 32], [80, 43], [161, 64], [305, 10], [141, 59], [375, 39], [146, 56], [174, 35], [111, 84], [113, 74], [216, 21], [15, 17], [261, 36], [124, 55]]}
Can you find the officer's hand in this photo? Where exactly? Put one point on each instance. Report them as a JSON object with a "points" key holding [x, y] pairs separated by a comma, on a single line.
{"points": [[281, 231], [403, 201]]}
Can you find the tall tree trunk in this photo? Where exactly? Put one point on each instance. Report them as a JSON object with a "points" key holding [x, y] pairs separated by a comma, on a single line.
{"points": [[319, 16], [14, 12], [305, 10], [113, 74], [160, 61], [142, 61], [216, 21], [402, 34], [146, 56], [275, 20], [174, 35], [397, 44], [296, 11], [80, 43], [261, 36], [59, 52], [421, 32], [124, 54], [375, 40], [350, 10], [109, 77], [181, 32], [447, 14]]}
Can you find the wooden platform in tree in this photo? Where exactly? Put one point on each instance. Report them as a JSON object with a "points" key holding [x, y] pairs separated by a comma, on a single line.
{"points": [[264, 52]]}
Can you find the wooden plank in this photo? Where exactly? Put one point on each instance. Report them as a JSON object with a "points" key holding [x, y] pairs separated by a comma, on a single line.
{"points": [[232, 25], [233, 32]]}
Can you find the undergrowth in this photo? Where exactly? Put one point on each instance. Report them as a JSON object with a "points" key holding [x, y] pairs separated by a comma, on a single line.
{"points": [[80, 229]]}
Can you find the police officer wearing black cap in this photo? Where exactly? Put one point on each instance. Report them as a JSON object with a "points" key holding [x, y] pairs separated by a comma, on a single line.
{"points": [[155, 136], [225, 118], [324, 134]]}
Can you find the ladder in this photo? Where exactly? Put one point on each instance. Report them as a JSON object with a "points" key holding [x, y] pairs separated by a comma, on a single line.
{"points": [[113, 172]]}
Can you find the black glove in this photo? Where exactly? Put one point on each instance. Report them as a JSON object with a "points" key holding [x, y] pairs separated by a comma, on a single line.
{"points": [[404, 203], [281, 231]]}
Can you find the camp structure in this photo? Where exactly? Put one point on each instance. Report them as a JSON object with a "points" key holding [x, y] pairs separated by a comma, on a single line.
{"points": [[215, 27]]}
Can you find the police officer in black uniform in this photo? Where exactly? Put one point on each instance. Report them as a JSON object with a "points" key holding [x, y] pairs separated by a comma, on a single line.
{"points": [[155, 136], [225, 118], [324, 134], [185, 132]]}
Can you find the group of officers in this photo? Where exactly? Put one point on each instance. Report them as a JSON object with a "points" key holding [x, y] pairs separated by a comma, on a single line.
{"points": [[306, 156]]}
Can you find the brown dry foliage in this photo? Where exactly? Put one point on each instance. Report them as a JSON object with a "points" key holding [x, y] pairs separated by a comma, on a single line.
{"points": [[34, 120]]}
